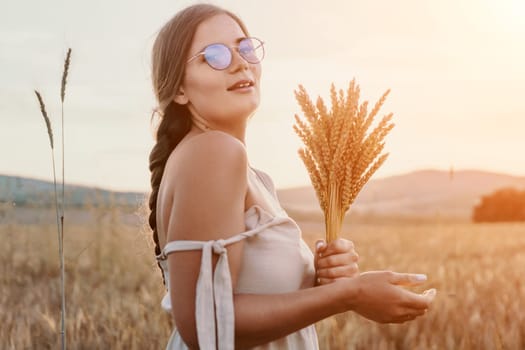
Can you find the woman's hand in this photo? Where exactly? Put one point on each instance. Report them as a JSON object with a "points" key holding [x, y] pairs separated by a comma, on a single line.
{"points": [[380, 296], [335, 260]]}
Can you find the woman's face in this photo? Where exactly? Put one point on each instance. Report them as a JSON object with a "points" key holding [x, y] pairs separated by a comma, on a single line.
{"points": [[213, 94]]}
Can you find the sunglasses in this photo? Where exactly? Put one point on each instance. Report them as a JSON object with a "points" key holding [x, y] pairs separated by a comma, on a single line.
{"points": [[220, 56]]}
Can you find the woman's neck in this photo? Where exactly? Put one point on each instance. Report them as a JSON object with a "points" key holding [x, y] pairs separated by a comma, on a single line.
{"points": [[201, 125]]}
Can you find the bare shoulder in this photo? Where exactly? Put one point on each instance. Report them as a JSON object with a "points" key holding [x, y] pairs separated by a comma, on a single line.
{"points": [[209, 175], [212, 150]]}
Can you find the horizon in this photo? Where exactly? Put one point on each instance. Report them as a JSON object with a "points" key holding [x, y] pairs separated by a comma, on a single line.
{"points": [[94, 186], [454, 69]]}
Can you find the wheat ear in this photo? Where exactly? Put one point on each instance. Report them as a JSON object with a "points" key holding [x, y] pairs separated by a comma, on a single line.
{"points": [[340, 154]]}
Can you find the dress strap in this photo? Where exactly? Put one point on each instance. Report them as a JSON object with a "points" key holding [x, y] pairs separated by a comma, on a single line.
{"points": [[266, 181], [214, 296]]}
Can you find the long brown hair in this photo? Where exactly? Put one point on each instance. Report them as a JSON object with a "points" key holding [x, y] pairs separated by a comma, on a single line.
{"points": [[169, 53]]}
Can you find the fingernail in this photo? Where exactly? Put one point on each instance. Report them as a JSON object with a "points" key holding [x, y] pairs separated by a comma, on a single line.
{"points": [[420, 277], [318, 245]]}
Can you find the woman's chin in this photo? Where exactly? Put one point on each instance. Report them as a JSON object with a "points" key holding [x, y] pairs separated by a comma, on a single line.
{"points": [[247, 108]]}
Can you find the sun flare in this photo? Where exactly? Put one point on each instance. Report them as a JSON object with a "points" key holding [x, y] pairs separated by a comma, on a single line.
{"points": [[509, 14]]}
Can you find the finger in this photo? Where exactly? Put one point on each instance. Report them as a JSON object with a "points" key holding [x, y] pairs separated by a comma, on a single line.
{"points": [[407, 279], [337, 260], [338, 272], [430, 294], [320, 246], [338, 246], [413, 314], [407, 318], [420, 312], [321, 281], [419, 301]]}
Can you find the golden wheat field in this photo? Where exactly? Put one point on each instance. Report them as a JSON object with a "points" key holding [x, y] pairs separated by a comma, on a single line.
{"points": [[113, 286]]}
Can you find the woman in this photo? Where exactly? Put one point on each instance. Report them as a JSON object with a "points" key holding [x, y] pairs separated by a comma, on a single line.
{"points": [[237, 271]]}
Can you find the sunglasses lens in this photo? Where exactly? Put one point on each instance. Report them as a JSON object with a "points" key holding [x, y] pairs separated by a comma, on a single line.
{"points": [[252, 50], [218, 56]]}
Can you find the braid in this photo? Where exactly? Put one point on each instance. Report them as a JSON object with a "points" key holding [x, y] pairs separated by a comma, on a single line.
{"points": [[175, 124], [168, 65]]}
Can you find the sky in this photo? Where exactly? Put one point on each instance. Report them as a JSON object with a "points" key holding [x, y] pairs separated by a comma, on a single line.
{"points": [[455, 69]]}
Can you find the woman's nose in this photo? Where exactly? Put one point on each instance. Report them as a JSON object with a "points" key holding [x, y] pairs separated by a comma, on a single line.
{"points": [[238, 62]]}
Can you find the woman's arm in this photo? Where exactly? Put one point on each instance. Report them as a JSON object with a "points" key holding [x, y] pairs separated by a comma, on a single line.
{"points": [[208, 180], [376, 295], [208, 204]]}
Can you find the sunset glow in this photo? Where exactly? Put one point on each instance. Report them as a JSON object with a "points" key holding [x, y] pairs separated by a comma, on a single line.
{"points": [[455, 70]]}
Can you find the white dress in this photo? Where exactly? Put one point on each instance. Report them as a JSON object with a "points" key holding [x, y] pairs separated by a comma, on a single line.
{"points": [[275, 260]]}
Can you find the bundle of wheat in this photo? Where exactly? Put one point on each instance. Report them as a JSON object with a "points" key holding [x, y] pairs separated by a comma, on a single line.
{"points": [[340, 154]]}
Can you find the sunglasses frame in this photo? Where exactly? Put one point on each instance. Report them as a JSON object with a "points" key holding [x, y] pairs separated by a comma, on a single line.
{"points": [[231, 48]]}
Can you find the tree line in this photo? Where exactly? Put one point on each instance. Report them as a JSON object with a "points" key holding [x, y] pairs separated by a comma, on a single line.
{"points": [[507, 204]]}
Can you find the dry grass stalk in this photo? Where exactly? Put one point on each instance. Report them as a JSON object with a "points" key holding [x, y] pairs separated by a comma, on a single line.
{"points": [[64, 74], [59, 217], [340, 153], [67, 61], [46, 118]]}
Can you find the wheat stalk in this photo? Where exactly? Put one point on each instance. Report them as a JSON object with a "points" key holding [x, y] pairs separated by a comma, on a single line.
{"points": [[339, 153], [59, 217]]}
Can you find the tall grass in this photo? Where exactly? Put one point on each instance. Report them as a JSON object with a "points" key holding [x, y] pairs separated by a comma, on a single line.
{"points": [[59, 208], [113, 284], [114, 288]]}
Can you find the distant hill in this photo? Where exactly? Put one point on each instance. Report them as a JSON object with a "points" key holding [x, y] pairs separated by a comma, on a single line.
{"points": [[31, 192], [424, 193], [419, 193]]}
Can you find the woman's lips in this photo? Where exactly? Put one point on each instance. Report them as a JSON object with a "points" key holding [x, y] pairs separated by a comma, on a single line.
{"points": [[241, 85]]}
